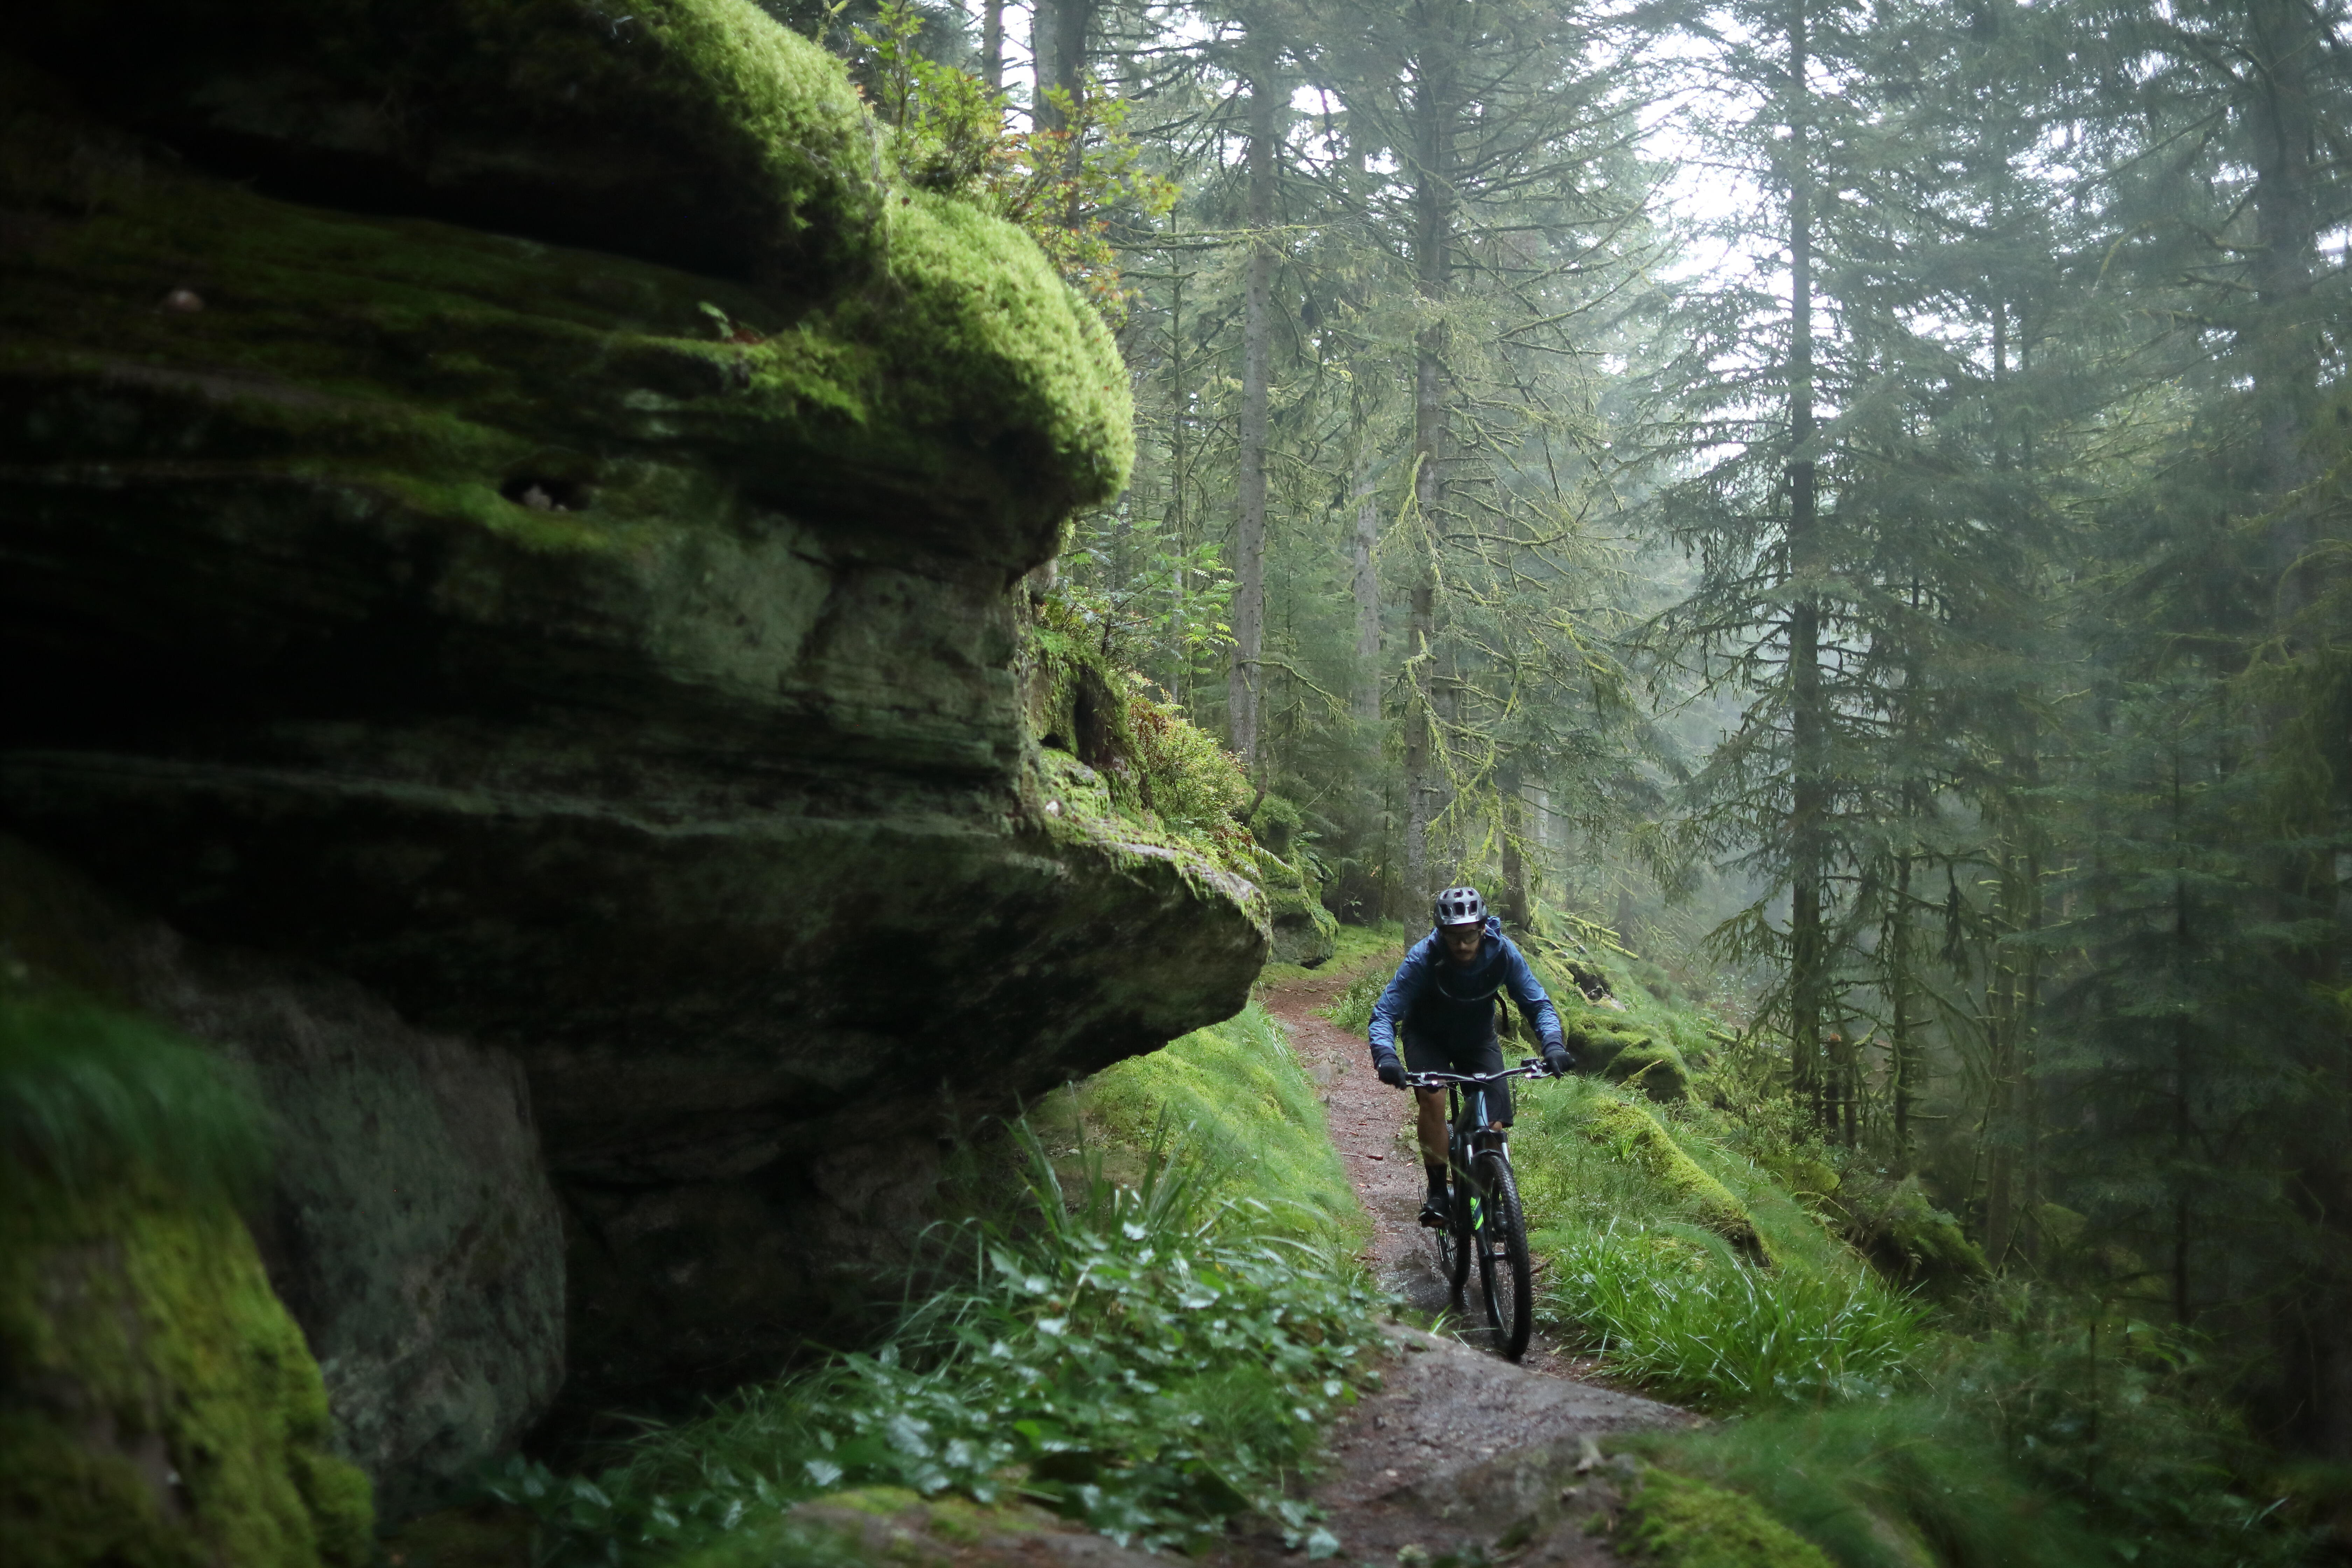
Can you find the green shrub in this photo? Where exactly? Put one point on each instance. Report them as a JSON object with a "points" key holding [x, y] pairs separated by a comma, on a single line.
{"points": [[1121, 1357]]}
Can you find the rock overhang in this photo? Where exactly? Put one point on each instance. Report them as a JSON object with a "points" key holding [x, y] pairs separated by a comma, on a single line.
{"points": [[555, 637]]}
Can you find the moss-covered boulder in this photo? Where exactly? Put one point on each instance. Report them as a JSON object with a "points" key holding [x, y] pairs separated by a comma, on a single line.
{"points": [[1304, 932], [157, 1404], [405, 1219], [1677, 1522], [1625, 1052], [1630, 1133], [598, 642]]}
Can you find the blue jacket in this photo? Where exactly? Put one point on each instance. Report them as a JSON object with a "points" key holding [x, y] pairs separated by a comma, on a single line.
{"points": [[1455, 1008]]}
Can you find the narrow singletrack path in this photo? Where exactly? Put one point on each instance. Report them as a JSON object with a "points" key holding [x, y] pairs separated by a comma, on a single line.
{"points": [[1456, 1449], [1372, 1126]]}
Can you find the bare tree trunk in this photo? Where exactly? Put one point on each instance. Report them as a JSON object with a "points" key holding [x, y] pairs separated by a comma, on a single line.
{"points": [[1433, 154], [1057, 42], [1517, 906], [1245, 683], [1045, 29], [1901, 1070], [1808, 943], [1179, 478], [992, 43], [2288, 74], [1367, 691]]}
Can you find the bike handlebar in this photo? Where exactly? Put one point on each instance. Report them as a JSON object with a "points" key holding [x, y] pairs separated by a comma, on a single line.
{"points": [[1532, 1068]]}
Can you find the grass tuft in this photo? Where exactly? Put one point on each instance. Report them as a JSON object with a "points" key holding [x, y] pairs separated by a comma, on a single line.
{"points": [[85, 1091], [1693, 1323]]}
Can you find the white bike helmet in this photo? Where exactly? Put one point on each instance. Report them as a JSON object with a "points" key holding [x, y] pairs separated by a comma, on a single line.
{"points": [[1461, 907]]}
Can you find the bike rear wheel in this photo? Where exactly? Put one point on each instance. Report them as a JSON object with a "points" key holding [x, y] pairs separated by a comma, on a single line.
{"points": [[1453, 1240], [1501, 1244]]}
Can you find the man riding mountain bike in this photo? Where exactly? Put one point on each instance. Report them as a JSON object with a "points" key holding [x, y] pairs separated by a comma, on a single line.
{"points": [[1444, 998]]}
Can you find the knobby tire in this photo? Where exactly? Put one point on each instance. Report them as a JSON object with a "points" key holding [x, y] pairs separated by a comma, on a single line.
{"points": [[1455, 1241], [1502, 1247]]}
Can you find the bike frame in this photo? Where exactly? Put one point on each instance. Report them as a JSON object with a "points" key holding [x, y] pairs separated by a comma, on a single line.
{"points": [[1469, 1136]]}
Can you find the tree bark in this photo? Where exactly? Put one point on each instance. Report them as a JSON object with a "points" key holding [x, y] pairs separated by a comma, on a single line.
{"points": [[1434, 109], [1057, 42], [1246, 683], [992, 43], [1808, 727], [1044, 27], [1367, 691], [1512, 809]]}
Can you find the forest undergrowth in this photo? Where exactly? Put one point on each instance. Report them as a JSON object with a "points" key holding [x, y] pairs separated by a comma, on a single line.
{"points": [[1148, 1339], [1152, 1339], [1914, 1410]]}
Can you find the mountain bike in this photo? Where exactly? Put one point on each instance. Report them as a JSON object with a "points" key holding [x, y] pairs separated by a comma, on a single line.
{"points": [[1484, 1226]]}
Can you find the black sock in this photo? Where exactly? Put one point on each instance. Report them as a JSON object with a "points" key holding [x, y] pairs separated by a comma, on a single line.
{"points": [[1436, 1181]]}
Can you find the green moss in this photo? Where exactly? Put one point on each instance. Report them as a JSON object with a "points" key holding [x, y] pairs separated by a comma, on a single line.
{"points": [[159, 1406], [798, 1543], [943, 372], [976, 310], [1114, 768], [1632, 1136], [477, 1535], [691, 130], [1902, 1231], [1304, 932], [1624, 1053], [1683, 1523], [1239, 1098]]}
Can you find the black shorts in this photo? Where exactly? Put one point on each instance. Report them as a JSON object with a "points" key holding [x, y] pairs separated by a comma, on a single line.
{"points": [[1426, 1056]]}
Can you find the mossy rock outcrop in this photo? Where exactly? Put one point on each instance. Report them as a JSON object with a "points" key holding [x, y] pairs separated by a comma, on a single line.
{"points": [[1624, 1052], [1630, 1133], [405, 1219], [695, 134], [1304, 932], [1676, 1523], [586, 622], [158, 1407]]}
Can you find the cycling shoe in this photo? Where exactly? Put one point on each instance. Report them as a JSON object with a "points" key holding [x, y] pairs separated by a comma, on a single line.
{"points": [[1433, 1213]]}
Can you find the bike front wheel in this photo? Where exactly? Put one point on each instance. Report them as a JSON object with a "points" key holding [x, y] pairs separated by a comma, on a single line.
{"points": [[1501, 1244]]}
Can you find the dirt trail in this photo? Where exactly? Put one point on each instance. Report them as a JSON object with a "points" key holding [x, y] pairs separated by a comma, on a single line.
{"points": [[1457, 1448], [1369, 1124]]}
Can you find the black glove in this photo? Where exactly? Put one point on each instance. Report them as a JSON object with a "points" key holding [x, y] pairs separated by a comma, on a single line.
{"points": [[1391, 1071], [1556, 1058]]}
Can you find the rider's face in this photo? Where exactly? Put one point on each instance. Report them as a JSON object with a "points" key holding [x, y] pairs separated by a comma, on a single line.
{"points": [[1462, 942]]}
